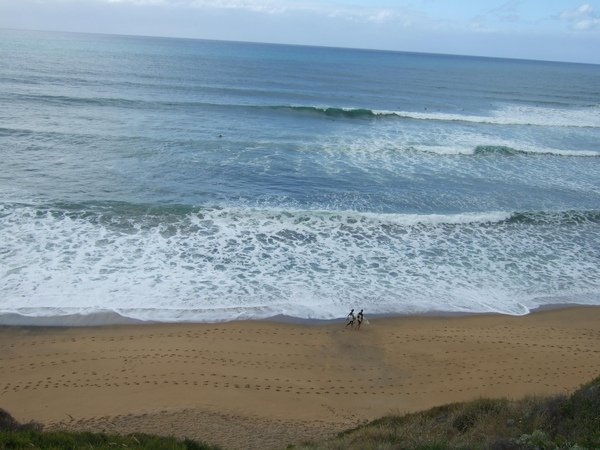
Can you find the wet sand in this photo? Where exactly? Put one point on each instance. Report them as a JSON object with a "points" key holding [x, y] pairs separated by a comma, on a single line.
{"points": [[265, 385]]}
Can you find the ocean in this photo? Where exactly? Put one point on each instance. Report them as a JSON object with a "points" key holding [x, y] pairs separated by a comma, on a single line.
{"points": [[189, 180]]}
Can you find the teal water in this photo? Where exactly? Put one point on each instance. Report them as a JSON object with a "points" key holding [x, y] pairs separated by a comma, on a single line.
{"points": [[177, 180]]}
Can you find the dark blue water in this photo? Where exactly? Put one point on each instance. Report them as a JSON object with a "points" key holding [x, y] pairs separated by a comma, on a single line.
{"points": [[197, 180]]}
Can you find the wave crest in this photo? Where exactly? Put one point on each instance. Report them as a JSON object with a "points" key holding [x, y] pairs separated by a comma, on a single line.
{"points": [[135, 215], [509, 115], [582, 117]]}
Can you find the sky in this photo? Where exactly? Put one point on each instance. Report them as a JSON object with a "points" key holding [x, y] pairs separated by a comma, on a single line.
{"points": [[558, 30]]}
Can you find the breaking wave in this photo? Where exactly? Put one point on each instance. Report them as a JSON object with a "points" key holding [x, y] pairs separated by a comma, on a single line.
{"points": [[181, 263], [510, 115], [586, 117]]}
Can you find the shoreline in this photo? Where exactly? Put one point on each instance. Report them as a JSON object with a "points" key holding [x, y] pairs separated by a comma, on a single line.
{"points": [[111, 318], [266, 384]]}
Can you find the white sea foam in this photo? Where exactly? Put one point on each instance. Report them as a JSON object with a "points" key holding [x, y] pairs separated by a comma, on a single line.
{"points": [[390, 142], [514, 115], [414, 156], [582, 117], [231, 263]]}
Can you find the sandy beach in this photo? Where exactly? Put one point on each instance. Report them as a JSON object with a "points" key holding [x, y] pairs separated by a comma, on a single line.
{"points": [[269, 384]]}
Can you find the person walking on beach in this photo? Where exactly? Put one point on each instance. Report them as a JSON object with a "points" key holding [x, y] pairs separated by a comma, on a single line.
{"points": [[359, 319], [350, 319]]}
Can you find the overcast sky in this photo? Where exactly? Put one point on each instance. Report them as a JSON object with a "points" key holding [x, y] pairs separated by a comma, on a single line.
{"points": [[561, 30]]}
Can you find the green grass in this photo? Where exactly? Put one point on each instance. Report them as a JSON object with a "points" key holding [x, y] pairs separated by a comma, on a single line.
{"points": [[534, 423], [60, 440], [14, 435]]}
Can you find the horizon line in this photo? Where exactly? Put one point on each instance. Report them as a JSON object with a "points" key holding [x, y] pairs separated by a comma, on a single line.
{"points": [[323, 46]]}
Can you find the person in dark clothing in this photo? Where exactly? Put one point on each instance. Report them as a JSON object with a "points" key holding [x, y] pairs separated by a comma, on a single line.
{"points": [[350, 319], [359, 319]]}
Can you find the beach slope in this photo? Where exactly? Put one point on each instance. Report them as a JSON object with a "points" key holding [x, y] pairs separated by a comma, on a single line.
{"points": [[268, 384]]}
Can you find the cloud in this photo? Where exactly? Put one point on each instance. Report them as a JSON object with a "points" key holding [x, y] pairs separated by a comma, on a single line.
{"points": [[139, 2], [583, 18], [266, 6], [489, 21], [322, 8], [263, 6], [360, 14], [353, 13], [507, 12]]}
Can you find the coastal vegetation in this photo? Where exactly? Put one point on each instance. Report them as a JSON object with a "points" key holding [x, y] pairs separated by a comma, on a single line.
{"points": [[557, 422], [15, 435], [533, 423]]}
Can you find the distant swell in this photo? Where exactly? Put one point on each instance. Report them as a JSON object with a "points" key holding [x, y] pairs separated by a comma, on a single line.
{"points": [[588, 117]]}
